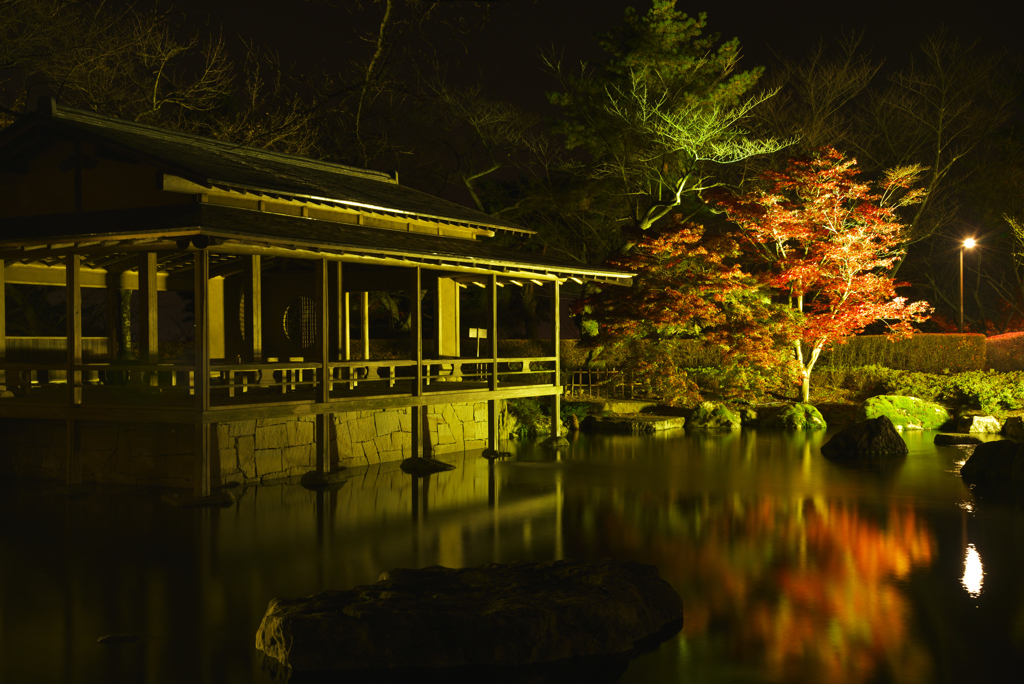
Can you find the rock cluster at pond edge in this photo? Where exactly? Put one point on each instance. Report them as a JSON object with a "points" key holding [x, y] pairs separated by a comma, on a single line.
{"points": [[494, 615]]}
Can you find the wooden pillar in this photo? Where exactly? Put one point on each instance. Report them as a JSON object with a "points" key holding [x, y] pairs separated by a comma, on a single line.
{"points": [[335, 310], [148, 312], [73, 274], [555, 350], [323, 339], [346, 327], [202, 373], [3, 328], [416, 326], [364, 319], [492, 301], [492, 404], [419, 425], [254, 309]]}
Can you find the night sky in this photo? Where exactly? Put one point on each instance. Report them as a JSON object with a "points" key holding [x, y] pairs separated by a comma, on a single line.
{"points": [[503, 57]]}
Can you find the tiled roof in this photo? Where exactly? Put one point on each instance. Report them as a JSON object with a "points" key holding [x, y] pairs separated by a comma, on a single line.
{"points": [[214, 163]]}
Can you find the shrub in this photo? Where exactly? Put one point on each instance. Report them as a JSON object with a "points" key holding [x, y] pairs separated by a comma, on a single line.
{"points": [[908, 412], [928, 353], [987, 391], [1005, 352]]}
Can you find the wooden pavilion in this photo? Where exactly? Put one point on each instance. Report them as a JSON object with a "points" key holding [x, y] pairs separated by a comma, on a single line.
{"points": [[278, 254]]}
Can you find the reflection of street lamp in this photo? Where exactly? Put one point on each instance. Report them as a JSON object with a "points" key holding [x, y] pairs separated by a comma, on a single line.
{"points": [[968, 244]]}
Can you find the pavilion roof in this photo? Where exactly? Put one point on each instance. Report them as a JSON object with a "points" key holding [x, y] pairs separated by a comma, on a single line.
{"points": [[241, 231], [217, 164]]}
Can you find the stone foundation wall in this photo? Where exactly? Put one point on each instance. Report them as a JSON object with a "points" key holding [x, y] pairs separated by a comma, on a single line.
{"points": [[264, 450]]}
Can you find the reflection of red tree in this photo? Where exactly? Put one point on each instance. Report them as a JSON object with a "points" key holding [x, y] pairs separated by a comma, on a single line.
{"points": [[811, 586]]}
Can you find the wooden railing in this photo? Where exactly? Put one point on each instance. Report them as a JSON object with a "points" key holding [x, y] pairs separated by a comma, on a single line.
{"points": [[238, 384], [606, 384]]}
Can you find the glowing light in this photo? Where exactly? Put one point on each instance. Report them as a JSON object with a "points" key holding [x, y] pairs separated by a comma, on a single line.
{"points": [[966, 505], [969, 243], [973, 572]]}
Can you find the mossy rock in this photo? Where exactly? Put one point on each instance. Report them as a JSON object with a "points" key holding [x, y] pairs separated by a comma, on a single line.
{"points": [[712, 416], [906, 413], [798, 417]]}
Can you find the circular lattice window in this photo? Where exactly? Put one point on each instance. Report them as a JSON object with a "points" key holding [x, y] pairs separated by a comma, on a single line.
{"points": [[300, 322]]}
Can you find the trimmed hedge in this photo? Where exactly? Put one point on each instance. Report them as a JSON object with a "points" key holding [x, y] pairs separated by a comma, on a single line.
{"points": [[1006, 352], [924, 353]]}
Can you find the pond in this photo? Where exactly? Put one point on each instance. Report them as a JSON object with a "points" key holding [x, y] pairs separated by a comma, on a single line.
{"points": [[791, 568]]}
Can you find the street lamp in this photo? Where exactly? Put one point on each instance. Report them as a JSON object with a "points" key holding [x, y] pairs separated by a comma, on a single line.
{"points": [[968, 244]]}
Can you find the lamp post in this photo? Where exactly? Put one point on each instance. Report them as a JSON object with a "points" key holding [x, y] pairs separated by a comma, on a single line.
{"points": [[968, 244]]}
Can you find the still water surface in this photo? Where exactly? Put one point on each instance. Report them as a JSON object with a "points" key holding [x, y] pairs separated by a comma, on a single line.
{"points": [[792, 569]]}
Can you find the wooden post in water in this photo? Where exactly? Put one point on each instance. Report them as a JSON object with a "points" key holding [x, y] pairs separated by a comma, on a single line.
{"points": [[555, 347], [323, 340], [492, 404], [418, 424]]}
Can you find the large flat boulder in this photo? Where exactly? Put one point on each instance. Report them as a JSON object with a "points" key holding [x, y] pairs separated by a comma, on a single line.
{"points": [[869, 441], [493, 615], [906, 413]]}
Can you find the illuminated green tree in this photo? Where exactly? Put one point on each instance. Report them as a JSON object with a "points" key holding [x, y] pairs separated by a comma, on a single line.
{"points": [[659, 116]]}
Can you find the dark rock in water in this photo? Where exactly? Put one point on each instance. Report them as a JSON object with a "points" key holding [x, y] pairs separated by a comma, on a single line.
{"points": [[1013, 428], [491, 616], [318, 481], [868, 441], [956, 440], [991, 467], [417, 465]]}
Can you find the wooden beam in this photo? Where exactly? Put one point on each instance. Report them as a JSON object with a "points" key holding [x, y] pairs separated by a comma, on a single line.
{"points": [[90, 251], [148, 311], [254, 309], [40, 274]]}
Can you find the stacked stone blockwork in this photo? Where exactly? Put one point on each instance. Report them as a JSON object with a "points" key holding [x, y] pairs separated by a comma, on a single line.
{"points": [[249, 451]]}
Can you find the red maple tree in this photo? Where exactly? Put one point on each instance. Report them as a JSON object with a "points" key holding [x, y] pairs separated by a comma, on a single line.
{"points": [[689, 285], [828, 241]]}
